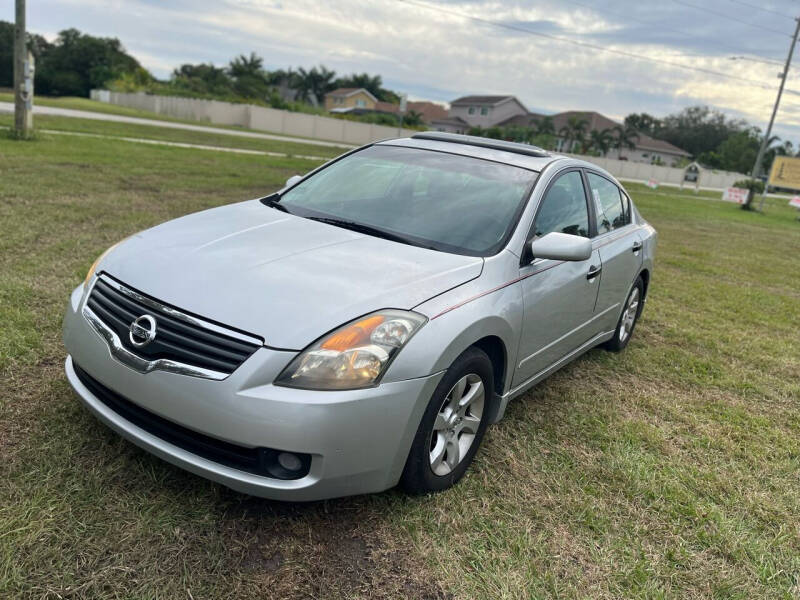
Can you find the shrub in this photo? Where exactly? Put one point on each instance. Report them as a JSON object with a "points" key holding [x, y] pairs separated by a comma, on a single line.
{"points": [[754, 185]]}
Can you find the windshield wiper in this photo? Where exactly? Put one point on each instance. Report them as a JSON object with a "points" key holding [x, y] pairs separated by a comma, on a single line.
{"points": [[369, 230], [274, 201]]}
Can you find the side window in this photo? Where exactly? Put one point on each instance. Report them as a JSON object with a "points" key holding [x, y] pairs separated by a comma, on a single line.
{"points": [[608, 202], [626, 208], [564, 208]]}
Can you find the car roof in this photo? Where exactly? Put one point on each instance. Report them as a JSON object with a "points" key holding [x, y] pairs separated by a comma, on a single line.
{"points": [[518, 155], [511, 153]]}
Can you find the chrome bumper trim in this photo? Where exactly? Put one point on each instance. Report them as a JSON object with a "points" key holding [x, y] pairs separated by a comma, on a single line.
{"points": [[142, 365]]}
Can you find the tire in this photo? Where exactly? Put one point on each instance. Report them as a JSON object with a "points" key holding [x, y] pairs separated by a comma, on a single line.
{"points": [[628, 319], [443, 433]]}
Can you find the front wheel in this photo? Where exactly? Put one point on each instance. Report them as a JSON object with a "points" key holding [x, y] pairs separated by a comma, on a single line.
{"points": [[628, 319], [453, 425]]}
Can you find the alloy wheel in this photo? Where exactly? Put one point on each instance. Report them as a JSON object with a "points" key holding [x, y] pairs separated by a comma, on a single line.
{"points": [[456, 424], [629, 316]]}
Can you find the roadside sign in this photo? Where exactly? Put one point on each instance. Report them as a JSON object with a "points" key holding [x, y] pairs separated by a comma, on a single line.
{"points": [[795, 202], [403, 103], [652, 184], [733, 194], [785, 172]]}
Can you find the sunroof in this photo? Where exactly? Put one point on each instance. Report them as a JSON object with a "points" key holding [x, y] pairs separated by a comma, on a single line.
{"points": [[471, 140]]}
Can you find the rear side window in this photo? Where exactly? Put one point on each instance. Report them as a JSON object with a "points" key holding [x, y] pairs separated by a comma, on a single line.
{"points": [[611, 205], [564, 208]]}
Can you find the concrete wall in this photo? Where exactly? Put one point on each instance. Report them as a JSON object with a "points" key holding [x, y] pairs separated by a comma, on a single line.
{"points": [[635, 171], [350, 132], [254, 117]]}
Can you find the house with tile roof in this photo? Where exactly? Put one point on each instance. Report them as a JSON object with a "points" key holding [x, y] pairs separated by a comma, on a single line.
{"points": [[486, 111], [647, 149], [342, 99]]}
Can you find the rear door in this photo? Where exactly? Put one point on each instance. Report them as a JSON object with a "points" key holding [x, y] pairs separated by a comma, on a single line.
{"points": [[559, 297], [619, 246]]}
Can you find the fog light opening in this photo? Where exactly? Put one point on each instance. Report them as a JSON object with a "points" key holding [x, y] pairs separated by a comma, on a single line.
{"points": [[281, 464], [289, 461]]}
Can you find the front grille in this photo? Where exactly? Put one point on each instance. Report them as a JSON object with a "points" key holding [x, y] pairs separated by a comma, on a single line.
{"points": [[179, 340], [261, 461]]}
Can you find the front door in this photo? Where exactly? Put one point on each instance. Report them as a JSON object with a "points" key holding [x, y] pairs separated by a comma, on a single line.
{"points": [[558, 297]]}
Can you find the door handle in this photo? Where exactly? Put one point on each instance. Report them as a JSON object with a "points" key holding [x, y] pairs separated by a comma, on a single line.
{"points": [[637, 246], [594, 271]]}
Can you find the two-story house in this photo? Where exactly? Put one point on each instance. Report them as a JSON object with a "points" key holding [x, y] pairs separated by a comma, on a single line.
{"points": [[485, 111]]}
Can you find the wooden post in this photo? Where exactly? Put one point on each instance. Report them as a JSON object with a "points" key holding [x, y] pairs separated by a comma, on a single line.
{"points": [[23, 76]]}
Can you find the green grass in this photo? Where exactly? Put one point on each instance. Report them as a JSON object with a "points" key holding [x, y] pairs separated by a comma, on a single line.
{"points": [[111, 128], [77, 103], [667, 471]]}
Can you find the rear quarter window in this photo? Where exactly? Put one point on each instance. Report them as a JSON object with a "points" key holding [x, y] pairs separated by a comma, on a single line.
{"points": [[612, 207]]}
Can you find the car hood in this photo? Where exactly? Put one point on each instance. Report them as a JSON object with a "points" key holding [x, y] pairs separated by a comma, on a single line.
{"points": [[282, 277]]}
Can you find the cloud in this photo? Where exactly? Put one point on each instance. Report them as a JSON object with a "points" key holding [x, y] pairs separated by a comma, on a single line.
{"points": [[438, 55]]}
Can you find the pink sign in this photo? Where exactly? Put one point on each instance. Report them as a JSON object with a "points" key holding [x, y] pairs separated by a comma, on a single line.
{"points": [[795, 202]]}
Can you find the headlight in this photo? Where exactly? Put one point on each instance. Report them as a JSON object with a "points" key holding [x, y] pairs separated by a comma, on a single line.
{"points": [[93, 268], [354, 356]]}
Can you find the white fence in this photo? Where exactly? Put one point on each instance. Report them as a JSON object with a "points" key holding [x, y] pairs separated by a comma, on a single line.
{"points": [[355, 133], [254, 117], [707, 179]]}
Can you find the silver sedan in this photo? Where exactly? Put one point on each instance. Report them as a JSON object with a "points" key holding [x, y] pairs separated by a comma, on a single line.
{"points": [[364, 325]]}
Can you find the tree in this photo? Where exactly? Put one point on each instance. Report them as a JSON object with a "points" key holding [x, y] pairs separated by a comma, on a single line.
{"points": [[36, 44], [644, 123], [312, 85], [699, 129], [624, 137], [600, 141], [248, 76], [573, 131], [203, 79], [413, 118], [544, 126], [77, 62]]}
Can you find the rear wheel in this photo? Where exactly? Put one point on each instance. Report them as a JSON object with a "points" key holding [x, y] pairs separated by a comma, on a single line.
{"points": [[453, 425], [628, 319]]}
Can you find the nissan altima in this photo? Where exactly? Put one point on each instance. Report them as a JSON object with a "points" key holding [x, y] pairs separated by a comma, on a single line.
{"points": [[363, 326]]}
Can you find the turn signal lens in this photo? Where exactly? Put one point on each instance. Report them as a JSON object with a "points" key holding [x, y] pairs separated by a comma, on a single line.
{"points": [[93, 268], [352, 335], [354, 356]]}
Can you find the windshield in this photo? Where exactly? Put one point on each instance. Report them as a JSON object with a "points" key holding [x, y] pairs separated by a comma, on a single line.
{"points": [[443, 201]]}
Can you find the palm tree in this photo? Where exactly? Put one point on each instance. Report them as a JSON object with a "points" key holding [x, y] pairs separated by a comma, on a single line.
{"points": [[626, 137], [573, 131], [372, 83], [544, 126], [312, 85], [412, 118], [600, 140], [246, 66]]}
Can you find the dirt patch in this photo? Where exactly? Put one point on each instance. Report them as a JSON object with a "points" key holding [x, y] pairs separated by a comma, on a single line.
{"points": [[333, 549]]}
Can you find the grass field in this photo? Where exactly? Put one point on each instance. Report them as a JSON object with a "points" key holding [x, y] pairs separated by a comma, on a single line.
{"points": [[668, 471]]}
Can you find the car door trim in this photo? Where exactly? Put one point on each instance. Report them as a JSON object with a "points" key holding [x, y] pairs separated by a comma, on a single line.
{"points": [[566, 335]]}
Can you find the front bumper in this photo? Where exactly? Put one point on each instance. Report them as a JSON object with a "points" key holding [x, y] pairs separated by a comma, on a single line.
{"points": [[358, 439]]}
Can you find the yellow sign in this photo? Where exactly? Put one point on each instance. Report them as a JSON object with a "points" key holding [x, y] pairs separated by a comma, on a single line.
{"points": [[785, 172]]}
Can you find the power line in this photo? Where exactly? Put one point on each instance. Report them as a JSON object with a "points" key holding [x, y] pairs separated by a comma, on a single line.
{"points": [[767, 10], [759, 58], [589, 45], [730, 18]]}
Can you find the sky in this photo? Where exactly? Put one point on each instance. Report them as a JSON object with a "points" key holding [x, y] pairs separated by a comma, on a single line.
{"points": [[431, 50]]}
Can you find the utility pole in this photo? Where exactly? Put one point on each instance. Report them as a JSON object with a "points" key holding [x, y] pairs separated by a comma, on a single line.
{"points": [[763, 148], [23, 77]]}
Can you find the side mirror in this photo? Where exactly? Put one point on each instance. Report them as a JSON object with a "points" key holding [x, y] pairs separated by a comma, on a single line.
{"points": [[561, 246], [293, 180]]}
